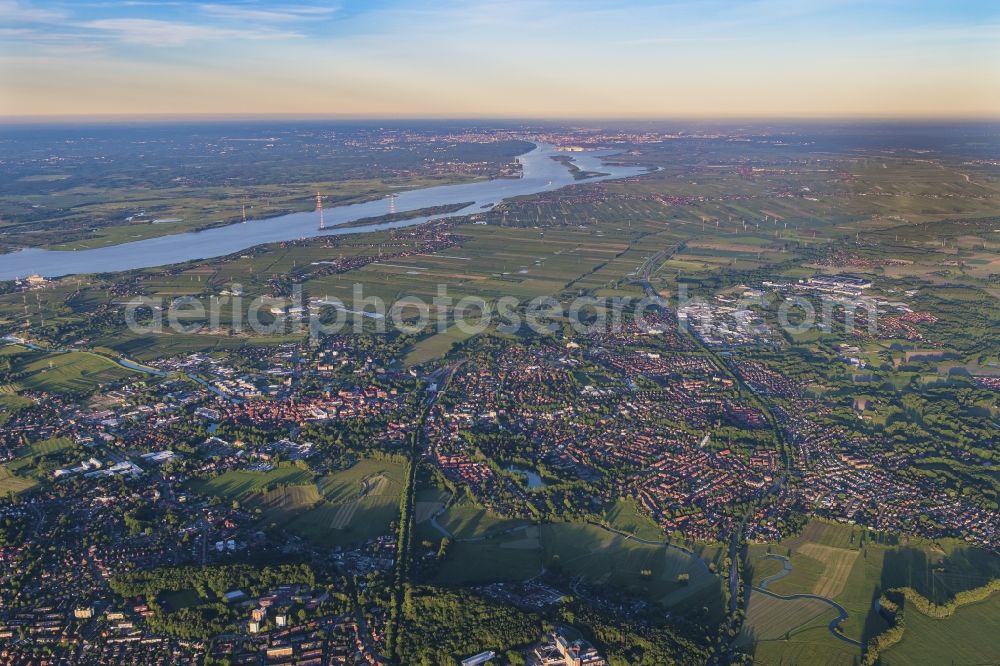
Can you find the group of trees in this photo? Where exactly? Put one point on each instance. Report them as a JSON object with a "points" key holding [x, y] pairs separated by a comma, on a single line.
{"points": [[402, 590], [14, 528], [639, 643], [211, 615], [211, 581], [963, 598], [443, 626]]}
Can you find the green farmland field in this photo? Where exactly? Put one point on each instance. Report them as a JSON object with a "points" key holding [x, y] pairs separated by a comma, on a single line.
{"points": [[516, 557], [809, 643], [435, 346], [357, 504], [281, 503], [497, 549], [874, 562], [769, 618], [10, 404], [36, 459], [238, 484], [359, 481], [465, 521], [968, 638], [625, 515], [351, 522], [11, 483], [649, 571], [68, 372], [344, 507]]}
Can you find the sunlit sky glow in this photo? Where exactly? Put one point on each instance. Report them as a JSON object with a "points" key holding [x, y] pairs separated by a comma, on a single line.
{"points": [[495, 58]]}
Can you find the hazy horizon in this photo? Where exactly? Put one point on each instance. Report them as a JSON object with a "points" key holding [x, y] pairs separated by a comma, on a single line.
{"points": [[707, 121], [550, 59]]}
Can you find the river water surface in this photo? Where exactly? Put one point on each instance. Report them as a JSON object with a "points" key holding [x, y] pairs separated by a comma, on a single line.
{"points": [[541, 174]]}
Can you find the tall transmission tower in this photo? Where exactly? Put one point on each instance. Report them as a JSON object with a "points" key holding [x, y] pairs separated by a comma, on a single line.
{"points": [[392, 204], [319, 209]]}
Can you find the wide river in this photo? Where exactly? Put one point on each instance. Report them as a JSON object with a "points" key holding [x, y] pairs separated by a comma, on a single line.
{"points": [[541, 174]]}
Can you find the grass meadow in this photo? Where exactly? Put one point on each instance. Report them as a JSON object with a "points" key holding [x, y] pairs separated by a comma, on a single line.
{"points": [[344, 507]]}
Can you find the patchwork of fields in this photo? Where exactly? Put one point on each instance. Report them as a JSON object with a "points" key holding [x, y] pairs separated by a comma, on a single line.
{"points": [[853, 566], [345, 507], [491, 262]]}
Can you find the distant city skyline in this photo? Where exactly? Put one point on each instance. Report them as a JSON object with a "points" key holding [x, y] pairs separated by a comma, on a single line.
{"points": [[529, 59]]}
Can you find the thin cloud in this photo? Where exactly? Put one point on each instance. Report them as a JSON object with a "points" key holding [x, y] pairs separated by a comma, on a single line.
{"points": [[647, 41], [152, 32], [45, 42], [13, 11], [18, 32], [988, 32], [282, 14]]}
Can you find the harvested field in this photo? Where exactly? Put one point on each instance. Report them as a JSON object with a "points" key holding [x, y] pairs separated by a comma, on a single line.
{"points": [[837, 562]]}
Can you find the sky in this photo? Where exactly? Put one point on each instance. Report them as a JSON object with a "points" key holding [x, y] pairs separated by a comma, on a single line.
{"points": [[501, 58]]}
